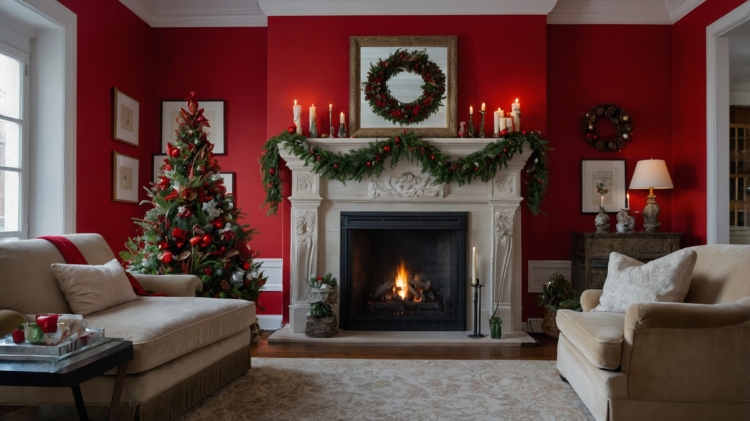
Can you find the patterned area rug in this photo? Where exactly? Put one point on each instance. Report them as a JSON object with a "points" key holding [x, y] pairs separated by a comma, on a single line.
{"points": [[338, 389]]}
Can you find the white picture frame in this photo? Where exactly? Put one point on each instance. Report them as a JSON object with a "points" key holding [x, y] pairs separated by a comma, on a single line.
{"points": [[125, 118], [611, 172], [125, 178], [212, 110], [229, 180], [158, 161]]}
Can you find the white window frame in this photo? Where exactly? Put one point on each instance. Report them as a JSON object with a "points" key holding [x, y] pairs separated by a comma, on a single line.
{"points": [[24, 170]]}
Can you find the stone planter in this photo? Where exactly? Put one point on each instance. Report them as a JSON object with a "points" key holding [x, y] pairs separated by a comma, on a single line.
{"points": [[549, 324], [323, 296], [324, 327]]}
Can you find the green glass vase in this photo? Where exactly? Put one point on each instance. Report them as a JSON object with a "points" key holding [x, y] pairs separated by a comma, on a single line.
{"points": [[496, 328]]}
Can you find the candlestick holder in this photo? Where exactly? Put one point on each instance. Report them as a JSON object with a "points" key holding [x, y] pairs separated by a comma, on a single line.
{"points": [[313, 129], [481, 125], [342, 130], [471, 125], [330, 122], [477, 299]]}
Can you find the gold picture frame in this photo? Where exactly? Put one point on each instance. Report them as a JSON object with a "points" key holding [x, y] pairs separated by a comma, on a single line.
{"points": [[125, 118], [125, 185], [363, 50]]}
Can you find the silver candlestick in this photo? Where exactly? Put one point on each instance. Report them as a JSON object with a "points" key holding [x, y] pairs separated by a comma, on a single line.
{"points": [[481, 125]]}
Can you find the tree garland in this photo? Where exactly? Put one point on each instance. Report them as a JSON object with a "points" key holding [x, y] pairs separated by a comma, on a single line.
{"points": [[618, 117], [371, 160], [385, 105]]}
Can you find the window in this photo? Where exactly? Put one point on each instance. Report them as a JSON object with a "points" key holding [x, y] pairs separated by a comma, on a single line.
{"points": [[13, 143]]}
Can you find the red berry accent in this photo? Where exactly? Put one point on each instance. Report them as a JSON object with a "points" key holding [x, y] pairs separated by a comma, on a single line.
{"points": [[505, 151], [207, 239], [524, 132], [272, 171], [476, 169], [320, 278], [246, 266], [432, 157], [387, 148], [368, 163], [397, 140], [335, 166], [377, 157], [312, 152], [207, 271], [292, 129], [317, 157]]}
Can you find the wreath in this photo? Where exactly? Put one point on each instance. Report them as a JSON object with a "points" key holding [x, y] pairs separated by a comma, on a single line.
{"points": [[373, 158], [618, 117], [385, 105]]}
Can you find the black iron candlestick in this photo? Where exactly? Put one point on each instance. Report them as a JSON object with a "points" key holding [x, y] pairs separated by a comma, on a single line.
{"points": [[477, 299]]}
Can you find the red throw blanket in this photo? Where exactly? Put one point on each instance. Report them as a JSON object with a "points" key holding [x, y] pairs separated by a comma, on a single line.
{"points": [[73, 256]]}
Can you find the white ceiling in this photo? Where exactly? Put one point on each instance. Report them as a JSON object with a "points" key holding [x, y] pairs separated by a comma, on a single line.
{"points": [[195, 13]]}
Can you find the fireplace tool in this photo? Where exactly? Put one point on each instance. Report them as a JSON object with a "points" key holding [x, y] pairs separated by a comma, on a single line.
{"points": [[477, 299]]}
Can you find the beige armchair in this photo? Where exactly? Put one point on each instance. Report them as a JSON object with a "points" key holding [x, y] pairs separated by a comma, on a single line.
{"points": [[667, 361]]}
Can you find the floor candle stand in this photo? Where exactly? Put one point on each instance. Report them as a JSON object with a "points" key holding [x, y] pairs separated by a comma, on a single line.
{"points": [[477, 299]]}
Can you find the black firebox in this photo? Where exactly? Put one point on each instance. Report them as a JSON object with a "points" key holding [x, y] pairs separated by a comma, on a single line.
{"points": [[403, 271]]}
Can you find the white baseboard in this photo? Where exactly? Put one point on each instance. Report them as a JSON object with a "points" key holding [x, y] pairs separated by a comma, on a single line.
{"points": [[532, 326], [269, 321]]}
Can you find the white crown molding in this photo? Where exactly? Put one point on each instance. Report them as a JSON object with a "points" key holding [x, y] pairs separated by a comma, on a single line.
{"points": [[229, 20], [140, 10], [400, 7], [680, 8], [609, 12]]}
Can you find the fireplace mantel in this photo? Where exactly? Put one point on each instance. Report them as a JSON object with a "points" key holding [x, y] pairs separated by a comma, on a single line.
{"points": [[494, 226]]}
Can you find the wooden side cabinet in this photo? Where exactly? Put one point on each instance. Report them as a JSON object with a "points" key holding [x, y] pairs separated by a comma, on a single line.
{"points": [[590, 253]]}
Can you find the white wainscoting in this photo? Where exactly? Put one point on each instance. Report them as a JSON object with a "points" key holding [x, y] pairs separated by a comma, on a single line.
{"points": [[541, 270]]}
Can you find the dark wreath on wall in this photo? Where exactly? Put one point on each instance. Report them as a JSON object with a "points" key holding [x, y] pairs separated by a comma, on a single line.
{"points": [[619, 118]]}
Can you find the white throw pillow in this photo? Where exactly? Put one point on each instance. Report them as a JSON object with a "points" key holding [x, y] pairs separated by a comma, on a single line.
{"points": [[629, 281], [91, 288]]}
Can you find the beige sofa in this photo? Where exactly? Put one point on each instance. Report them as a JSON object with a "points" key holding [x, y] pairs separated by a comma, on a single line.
{"points": [[184, 347], [667, 361]]}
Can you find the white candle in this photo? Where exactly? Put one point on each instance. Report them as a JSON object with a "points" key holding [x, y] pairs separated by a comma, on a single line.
{"points": [[627, 201], [509, 123], [483, 106], [473, 265], [502, 113], [496, 115], [297, 110], [602, 200], [312, 115], [471, 109], [342, 117], [516, 107], [330, 107], [503, 124]]}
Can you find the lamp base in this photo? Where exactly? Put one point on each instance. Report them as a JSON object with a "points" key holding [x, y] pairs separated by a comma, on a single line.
{"points": [[651, 214]]}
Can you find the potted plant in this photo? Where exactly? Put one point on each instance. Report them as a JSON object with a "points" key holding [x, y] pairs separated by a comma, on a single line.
{"points": [[558, 294], [322, 291]]}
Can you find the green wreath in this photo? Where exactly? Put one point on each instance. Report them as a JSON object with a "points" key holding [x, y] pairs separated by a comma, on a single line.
{"points": [[618, 117], [385, 105], [373, 158]]}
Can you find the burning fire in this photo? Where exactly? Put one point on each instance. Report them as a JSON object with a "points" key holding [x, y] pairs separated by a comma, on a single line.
{"points": [[402, 281]]}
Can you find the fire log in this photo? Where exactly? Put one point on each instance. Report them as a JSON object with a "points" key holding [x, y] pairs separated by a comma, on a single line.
{"points": [[388, 286]]}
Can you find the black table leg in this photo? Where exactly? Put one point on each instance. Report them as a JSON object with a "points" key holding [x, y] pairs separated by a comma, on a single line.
{"points": [[79, 403], [115, 406]]}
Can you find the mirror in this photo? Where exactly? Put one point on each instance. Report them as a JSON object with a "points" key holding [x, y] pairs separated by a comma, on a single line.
{"points": [[404, 86]]}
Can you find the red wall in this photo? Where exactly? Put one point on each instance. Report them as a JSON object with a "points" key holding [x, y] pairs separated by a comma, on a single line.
{"points": [[588, 65], [500, 58], [111, 53], [689, 117]]}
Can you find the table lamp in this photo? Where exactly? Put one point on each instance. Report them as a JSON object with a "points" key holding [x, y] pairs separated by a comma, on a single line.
{"points": [[651, 174]]}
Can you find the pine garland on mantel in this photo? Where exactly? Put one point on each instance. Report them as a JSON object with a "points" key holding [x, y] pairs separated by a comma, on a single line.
{"points": [[371, 159]]}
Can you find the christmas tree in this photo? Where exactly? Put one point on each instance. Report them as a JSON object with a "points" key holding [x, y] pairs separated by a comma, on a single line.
{"points": [[193, 226]]}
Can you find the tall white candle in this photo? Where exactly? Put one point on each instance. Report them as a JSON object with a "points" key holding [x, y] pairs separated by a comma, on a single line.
{"points": [[516, 107], [502, 113], [503, 124], [312, 115], [297, 110], [509, 123], [627, 201], [342, 117], [496, 115], [473, 265]]}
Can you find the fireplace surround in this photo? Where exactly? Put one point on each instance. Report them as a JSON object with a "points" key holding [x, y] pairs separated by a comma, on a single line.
{"points": [[403, 271], [493, 223]]}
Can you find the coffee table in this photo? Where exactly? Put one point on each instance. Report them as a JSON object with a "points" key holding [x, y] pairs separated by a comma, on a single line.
{"points": [[73, 371]]}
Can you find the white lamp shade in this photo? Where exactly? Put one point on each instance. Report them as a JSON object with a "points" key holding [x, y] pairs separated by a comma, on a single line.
{"points": [[651, 173]]}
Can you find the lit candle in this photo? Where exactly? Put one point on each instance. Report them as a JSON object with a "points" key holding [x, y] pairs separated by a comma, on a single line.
{"points": [[516, 113], [330, 107], [483, 106], [312, 114], [627, 201], [473, 265], [342, 117], [471, 109]]}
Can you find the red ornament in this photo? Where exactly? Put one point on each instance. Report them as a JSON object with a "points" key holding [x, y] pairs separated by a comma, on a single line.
{"points": [[166, 257], [524, 133], [335, 166], [317, 157], [504, 132], [387, 148], [207, 239], [18, 336], [195, 240], [292, 129], [246, 266], [320, 278], [174, 153], [476, 169], [272, 171], [368, 163], [432, 157], [377, 157], [207, 271], [218, 223], [397, 140]]}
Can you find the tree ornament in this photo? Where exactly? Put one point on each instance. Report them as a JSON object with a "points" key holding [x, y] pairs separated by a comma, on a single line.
{"points": [[335, 166], [166, 257], [291, 129], [619, 118], [397, 140], [387, 148], [272, 171], [368, 163]]}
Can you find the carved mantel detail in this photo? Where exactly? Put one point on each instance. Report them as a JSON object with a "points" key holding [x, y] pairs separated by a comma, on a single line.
{"points": [[505, 185], [306, 183], [407, 185], [504, 226], [304, 252]]}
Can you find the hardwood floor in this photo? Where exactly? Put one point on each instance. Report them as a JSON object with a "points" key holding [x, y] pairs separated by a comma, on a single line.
{"points": [[546, 349]]}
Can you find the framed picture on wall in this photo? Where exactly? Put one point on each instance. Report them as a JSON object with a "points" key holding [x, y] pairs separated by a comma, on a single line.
{"points": [[125, 118], [602, 184], [212, 110], [229, 181], [158, 161], [125, 178], [409, 90]]}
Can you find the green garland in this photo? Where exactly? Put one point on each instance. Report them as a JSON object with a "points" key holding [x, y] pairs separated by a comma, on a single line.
{"points": [[385, 105], [371, 159]]}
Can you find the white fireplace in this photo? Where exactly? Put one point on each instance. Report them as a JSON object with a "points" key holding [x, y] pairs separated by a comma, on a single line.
{"points": [[494, 222]]}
